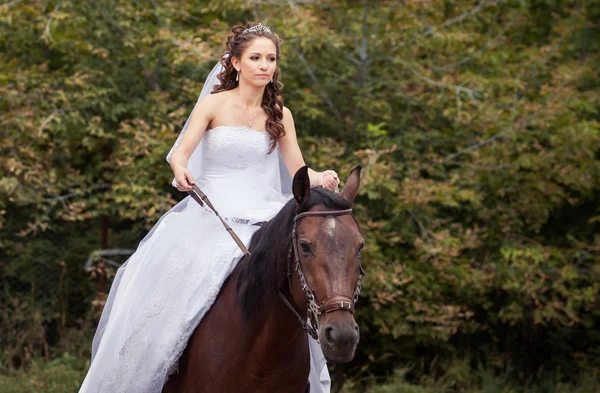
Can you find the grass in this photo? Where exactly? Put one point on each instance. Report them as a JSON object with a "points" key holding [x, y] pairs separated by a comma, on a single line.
{"points": [[62, 375], [459, 379]]}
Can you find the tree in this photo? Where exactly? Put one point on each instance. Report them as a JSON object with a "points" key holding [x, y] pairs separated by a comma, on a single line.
{"points": [[476, 123]]}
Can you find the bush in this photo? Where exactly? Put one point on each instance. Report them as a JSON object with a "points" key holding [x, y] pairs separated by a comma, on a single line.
{"points": [[459, 378]]}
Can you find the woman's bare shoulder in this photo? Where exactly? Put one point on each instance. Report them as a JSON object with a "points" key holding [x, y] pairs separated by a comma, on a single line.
{"points": [[211, 105], [216, 99]]}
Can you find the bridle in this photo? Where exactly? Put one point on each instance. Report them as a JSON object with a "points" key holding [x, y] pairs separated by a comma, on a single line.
{"points": [[331, 304], [334, 303]]}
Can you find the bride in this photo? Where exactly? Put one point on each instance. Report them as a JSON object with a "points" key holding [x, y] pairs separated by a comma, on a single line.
{"points": [[232, 147]]}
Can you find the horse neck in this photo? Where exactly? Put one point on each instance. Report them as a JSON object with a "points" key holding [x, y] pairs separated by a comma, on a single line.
{"points": [[276, 328]]}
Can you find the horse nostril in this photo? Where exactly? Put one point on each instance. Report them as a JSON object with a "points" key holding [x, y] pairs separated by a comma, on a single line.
{"points": [[356, 328], [329, 334]]}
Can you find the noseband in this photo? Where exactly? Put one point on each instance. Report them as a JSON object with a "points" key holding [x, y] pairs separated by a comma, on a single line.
{"points": [[334, 303]]}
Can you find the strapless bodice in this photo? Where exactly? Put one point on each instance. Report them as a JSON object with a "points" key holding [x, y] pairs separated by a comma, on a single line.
{"points": [[233, 166], [234, 147]]}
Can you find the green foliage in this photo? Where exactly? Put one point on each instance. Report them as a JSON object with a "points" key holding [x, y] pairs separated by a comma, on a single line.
{"points": [[62, 375], [460, 378], [477, 126]]}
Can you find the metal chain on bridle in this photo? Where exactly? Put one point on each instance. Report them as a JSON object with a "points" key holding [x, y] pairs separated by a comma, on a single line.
{"points": [[334, 303]]}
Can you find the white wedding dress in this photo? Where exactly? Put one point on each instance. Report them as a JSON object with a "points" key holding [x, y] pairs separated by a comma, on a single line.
{"points": [[161, 293]]}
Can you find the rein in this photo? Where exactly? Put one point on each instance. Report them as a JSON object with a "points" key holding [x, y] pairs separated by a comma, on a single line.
{"points": [[201, 198], [331, 304]]}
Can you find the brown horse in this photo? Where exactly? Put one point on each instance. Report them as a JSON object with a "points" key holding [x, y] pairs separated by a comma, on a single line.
{"points": [[253, 338]]}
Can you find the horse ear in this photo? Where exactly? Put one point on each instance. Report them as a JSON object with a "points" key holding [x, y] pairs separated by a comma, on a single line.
{"points": [[301, 185], [352, 185]]}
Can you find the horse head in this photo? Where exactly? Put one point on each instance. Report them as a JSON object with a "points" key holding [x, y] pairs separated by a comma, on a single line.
{"points": [[326, 257]]}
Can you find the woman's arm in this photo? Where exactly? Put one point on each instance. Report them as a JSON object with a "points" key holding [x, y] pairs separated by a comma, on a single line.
{"points": [[292, 156], [201, 118]]}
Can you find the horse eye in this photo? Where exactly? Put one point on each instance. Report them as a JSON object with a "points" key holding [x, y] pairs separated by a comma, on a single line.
{"points": [[305, 247]]}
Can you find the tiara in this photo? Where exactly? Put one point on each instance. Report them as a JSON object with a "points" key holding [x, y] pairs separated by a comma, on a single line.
{"points": [[258, 27]]}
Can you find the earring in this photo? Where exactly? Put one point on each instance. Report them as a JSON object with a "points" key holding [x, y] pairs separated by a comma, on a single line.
{"points": [[271, 79], [237, 76]]}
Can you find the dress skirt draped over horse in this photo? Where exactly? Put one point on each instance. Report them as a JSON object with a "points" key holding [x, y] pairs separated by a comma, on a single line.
{"points": [[162, 292]]}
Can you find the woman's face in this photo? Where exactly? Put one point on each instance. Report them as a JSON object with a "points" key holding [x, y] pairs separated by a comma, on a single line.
{"points": [[258, 62]]}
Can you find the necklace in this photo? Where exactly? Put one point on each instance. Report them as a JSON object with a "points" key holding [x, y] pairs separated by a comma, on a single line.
{"points": [[250, 118]]}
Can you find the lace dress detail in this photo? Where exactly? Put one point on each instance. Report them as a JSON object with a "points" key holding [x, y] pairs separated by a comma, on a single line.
{"points": [[162, 292], [249, 145]]}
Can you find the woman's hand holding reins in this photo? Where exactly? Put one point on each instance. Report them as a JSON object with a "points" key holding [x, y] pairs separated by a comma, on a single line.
{"points": [[329, 180], [183, 178]]}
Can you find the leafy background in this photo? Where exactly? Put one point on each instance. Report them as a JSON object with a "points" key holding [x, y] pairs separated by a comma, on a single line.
{"points": [[477, 124]]}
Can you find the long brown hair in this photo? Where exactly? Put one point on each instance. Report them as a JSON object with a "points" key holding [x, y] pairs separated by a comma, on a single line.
{"points": [[272, 101]]}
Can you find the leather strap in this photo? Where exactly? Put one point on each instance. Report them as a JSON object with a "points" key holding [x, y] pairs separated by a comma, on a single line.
{"points": [[323, 214], [307, 328], [337, 303], [202, 199]]}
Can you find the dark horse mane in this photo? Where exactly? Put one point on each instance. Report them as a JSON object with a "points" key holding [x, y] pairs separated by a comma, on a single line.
{"points": [[262, 275]]}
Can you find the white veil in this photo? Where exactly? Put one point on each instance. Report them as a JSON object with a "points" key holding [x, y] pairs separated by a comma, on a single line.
{"points": [[194, 163]]}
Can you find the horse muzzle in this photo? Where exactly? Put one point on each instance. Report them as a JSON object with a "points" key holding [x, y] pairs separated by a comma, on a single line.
{"points": [[339, 337]]}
